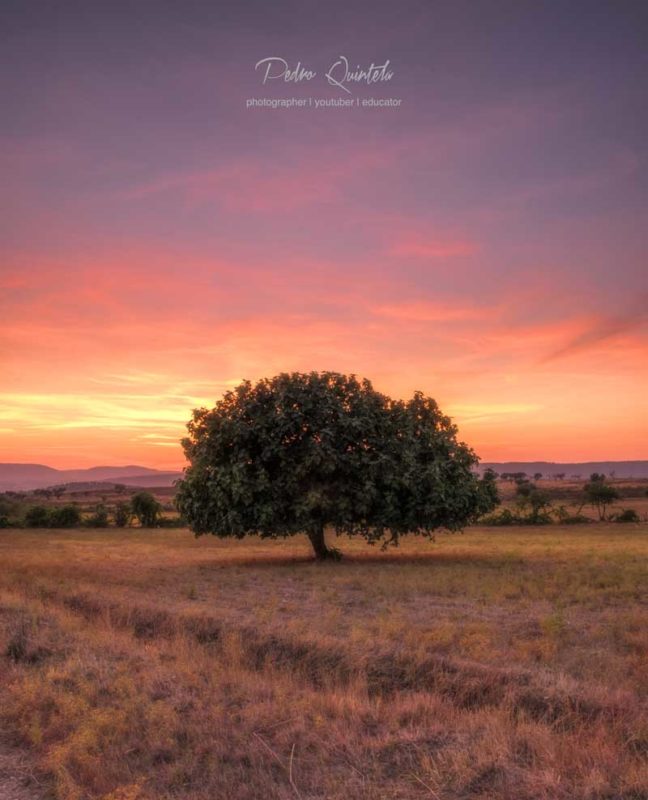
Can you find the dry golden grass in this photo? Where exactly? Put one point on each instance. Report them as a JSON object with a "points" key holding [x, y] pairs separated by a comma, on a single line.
{"points": [[501, 663]]}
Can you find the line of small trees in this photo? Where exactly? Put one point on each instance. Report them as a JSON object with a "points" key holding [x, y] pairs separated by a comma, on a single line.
{"points": [[142, 507], [514, 477], [533, 505]]}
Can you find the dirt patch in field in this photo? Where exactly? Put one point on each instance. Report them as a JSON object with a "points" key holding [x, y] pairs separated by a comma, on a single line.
{"points": [[17, 780]]}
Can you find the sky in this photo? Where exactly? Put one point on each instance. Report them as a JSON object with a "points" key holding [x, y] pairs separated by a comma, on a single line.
{"points": [[485, 241]]}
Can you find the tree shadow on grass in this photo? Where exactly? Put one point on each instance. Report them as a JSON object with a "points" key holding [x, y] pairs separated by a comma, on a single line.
{"points": [[377, 559]]}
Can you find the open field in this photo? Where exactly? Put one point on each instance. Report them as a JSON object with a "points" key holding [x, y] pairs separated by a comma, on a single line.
{"points": [[501, 663]]}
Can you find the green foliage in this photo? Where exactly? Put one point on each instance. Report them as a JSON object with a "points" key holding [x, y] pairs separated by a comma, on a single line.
{"points": [[503, 517], [627, 515], [37, 517], [9, 511], [600, 494], [533, 502], [490, 498], [146, 508], [122, 514], [100, 517], [67, 516], [299, 452]]}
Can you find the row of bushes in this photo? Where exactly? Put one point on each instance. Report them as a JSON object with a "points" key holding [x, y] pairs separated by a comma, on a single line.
{"points": [[143, 507], [70, 516], [508, 517]]}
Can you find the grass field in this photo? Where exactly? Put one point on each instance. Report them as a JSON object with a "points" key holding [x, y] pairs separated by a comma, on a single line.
{"points": [[500, 663]]}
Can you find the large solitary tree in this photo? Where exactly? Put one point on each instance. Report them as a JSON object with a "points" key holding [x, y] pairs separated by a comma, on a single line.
{"points": [[303, 452]]}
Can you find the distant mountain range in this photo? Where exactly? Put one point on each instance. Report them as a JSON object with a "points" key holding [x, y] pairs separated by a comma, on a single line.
{"points": [[621, 469], [23, 477]]}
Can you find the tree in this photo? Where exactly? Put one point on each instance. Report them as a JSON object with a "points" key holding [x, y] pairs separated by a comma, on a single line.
{"points": [[600, 494], [37, 517], [534, 501], [302, 452], [146, 508], [122, 514], [67, 516], [100, 517], [537, 476]]}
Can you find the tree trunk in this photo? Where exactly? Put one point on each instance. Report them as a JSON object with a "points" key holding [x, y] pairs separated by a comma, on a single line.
{"points": [[322, 552]]}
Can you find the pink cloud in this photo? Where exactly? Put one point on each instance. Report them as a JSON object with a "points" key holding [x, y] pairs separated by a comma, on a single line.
{"points": [[433, 248], [428, 312], [267, 185], [600, 331]]}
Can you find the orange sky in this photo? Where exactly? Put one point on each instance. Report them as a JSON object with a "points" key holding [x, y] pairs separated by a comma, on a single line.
{"points": [[95, 375]]}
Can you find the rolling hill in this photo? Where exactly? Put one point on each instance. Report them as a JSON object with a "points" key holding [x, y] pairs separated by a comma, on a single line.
{"points": [[24, 477]]}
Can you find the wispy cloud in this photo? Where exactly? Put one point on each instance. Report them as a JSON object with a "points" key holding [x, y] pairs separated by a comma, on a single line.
{"points": [[600, 331], [428, 312]]}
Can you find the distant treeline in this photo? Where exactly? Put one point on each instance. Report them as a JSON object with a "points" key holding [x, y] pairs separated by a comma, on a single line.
{"points": [[534, 505], [142, 509]]}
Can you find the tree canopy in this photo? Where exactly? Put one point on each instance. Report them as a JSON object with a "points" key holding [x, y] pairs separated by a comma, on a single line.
{"points": [[146, 508], [302, 452]]}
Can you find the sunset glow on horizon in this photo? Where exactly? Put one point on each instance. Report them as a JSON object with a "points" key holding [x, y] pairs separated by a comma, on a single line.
{"points": [[484, 243]]}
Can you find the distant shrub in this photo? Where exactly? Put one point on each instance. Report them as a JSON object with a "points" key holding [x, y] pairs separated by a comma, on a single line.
{"points": [[507, 517], [4, 521], [503, 517], [37, 517], [171, 522], [534, 503], [543, 518], [575, 519], [122, 514], [100, 517], [67, 516], [627, 515]]}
